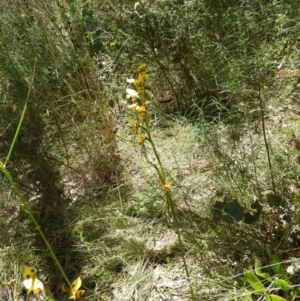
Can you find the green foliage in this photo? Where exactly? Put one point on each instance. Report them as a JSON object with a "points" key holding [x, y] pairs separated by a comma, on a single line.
{"points": [[229, 67], [230, 211], [147, 204], [278, 282], [253, 280], [214, 57]]}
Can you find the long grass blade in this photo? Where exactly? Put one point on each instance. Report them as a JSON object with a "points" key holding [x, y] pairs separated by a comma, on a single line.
{"points": [[21, 118]]}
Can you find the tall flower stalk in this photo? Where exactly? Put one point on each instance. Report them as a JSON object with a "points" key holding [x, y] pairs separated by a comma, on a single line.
{"points": [[142, 130]]}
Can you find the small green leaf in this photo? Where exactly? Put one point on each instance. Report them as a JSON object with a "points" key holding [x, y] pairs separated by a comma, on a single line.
{"points": [[253, 280], [229, 211], [258, 271], [274, 200], [284, 285], [274, 298], [217, 211], [276, 264]]}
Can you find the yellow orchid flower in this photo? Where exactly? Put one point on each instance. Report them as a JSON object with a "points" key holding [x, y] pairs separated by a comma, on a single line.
{"points": [[34, 285], [167, 187], [134, 124], [141, 110], [75, 293], [139, 85]]}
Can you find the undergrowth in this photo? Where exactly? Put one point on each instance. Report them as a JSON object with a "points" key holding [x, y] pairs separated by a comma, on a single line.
{"points": [[197, 197]]}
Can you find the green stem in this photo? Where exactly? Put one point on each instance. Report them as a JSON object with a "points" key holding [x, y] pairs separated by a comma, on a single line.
{"points": [[31, 216], [169, 199], [162, 176], [176, 224], [149, 138]]}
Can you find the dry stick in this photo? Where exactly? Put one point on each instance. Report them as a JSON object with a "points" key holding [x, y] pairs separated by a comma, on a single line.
{"points": [[265, 137]]}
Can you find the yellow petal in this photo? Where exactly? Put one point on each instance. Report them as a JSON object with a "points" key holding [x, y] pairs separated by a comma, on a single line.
{"points": [[29, 272], [74, 288], [167, 187], [141, 110], [142, 68], [142, 76], [38, 286], [139, 84], [142, 140], [79, 294], [132, 122]]}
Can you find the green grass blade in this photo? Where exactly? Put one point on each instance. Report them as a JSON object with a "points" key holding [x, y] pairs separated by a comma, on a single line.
{"points": [[21, 118]]}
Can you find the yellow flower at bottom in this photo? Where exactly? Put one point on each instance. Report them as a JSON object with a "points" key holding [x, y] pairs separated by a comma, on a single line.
{"points": [[167, 187], [74, 288], [141, 110], [34, 285]]}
